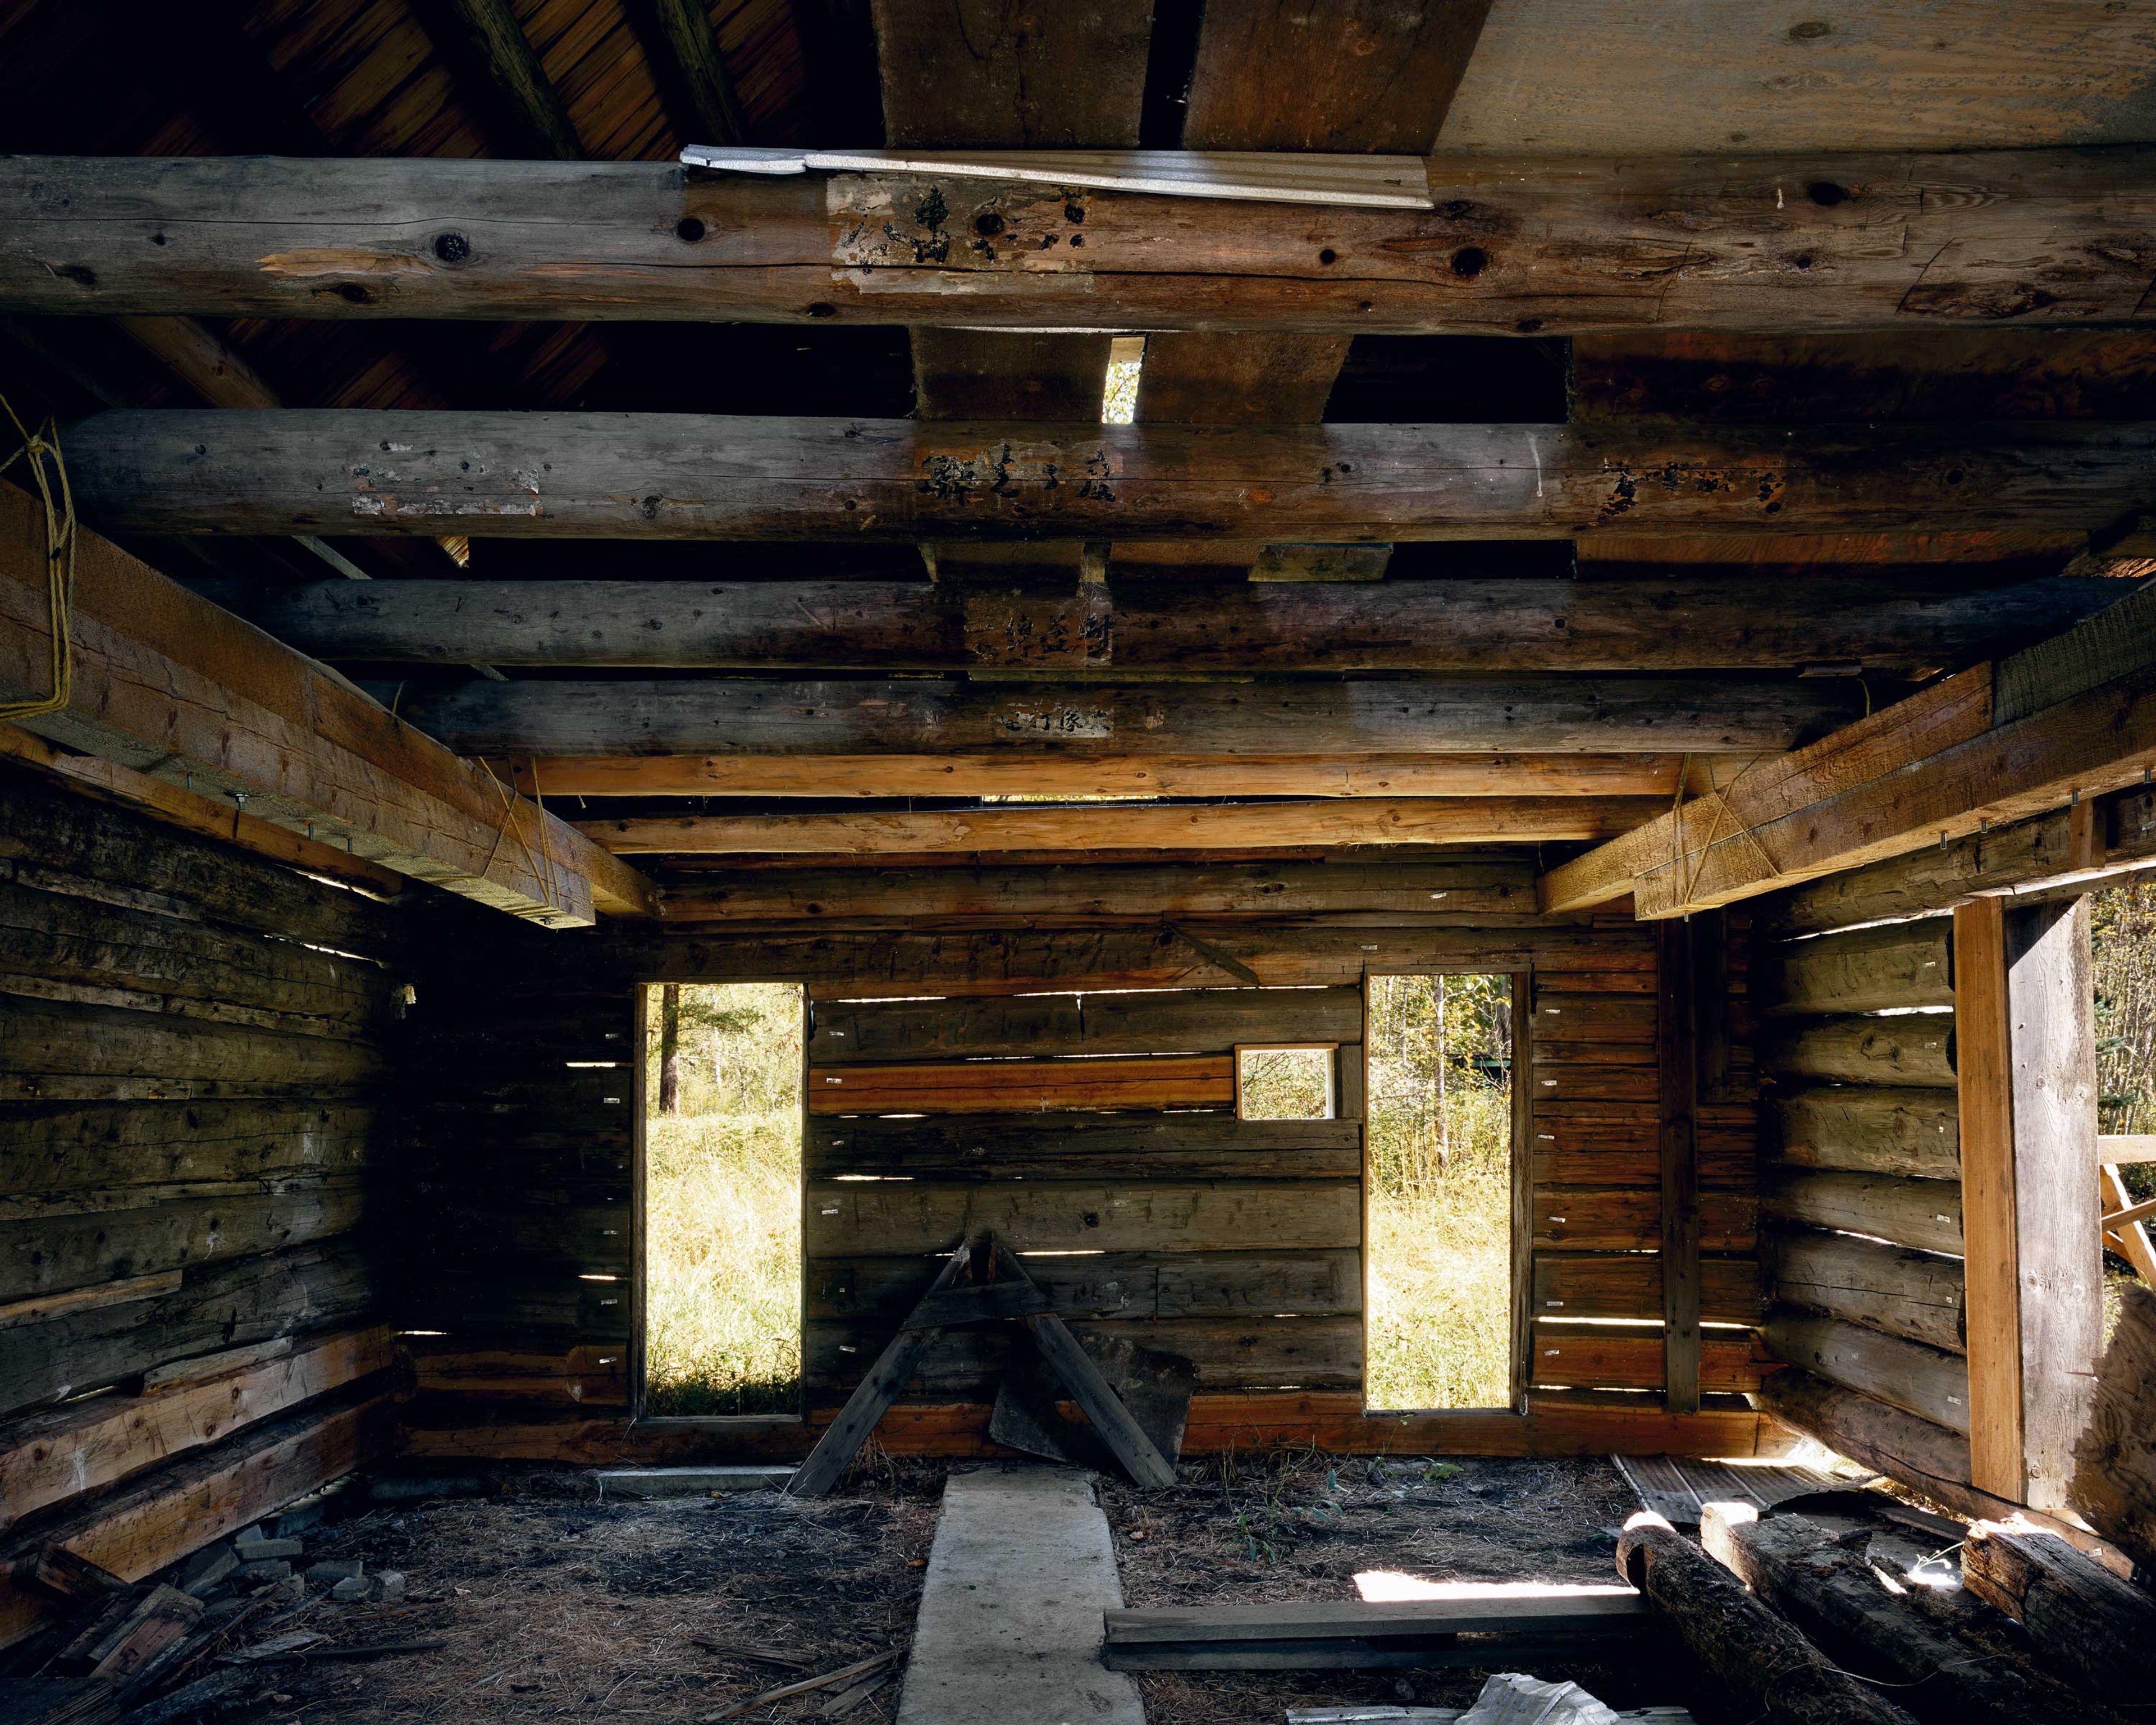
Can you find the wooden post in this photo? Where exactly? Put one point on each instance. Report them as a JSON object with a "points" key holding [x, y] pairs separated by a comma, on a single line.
{"points": [[1676, 1039], [670, 1048], [2024, 1036]]}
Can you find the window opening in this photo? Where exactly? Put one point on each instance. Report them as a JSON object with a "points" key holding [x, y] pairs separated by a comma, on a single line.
{"points": [[1441, 1178], [724, 1082], [1286, 1083]]}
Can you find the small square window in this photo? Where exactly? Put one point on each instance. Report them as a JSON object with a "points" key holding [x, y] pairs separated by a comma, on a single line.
{"points": [[1285, 1082]]}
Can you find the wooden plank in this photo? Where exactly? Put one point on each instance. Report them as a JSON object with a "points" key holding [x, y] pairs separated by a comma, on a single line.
{"points": [[853, 1218], [1630, 1284], [1612, 1610], [1024, 1147], [1870, 1129], [238, 1303], [58, 1052], [1583, 247], [591, 1376], [320, 470], [1888, 620], [1624, 1220], [1906, 964], [51, 1457], [1678, 1091], [1927, 1382], [1915, 1294], [1927, 880], [179, 1508], [1984, 1002], [182, 809], [1000, 1086], [1430, 820], [1606, 1355], [1189, 1022], [125, 1291], [1916, 1049], [1262, 1283], [1925, 1214], [1374, 774], [1036, 896], [923, 717], [52, 1254], [167, 683]]}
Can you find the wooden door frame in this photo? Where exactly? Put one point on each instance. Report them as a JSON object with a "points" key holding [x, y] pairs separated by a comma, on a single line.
{"points": [[1522, 977]]}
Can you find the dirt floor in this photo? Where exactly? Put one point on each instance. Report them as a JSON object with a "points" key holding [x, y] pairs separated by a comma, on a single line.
{"points": [[552, 1603]]}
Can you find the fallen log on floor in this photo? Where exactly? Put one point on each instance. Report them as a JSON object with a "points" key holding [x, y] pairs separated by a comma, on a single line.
{"points": [[2094, 1630], [1772, 1673], [2114, 1483], [1799, 1566]]}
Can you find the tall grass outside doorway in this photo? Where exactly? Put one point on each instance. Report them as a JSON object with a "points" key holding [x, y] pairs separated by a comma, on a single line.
{"points": [[1439, 1176], [722, 1199]]}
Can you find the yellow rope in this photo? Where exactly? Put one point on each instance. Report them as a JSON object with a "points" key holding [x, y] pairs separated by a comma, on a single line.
{"points": [[38, 447], [542, 866]]}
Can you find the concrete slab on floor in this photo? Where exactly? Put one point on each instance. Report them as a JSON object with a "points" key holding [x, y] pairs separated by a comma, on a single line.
{"points": [[1010, 1629], [690, 1482]]}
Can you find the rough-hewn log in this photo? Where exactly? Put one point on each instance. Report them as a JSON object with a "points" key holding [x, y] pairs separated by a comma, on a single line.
{"points": [[1893, 619], [1768, 1670], [1870, 1129], [2094, 1630], [687, 476], [1440, 715], [2114, 1483], [1799, 1567], [1068, 774], [1917, 1049], [1198, 1021], [1905, 964], [1412, 889], [1789, 242], [1253, 826], [1924, 1213], [1927, 1382], [1915, 1294], [167, 683], [1914, 1450]]}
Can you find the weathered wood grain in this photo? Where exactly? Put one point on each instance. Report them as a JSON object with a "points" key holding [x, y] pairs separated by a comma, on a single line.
{"points": [[60, 1147], [2095, 1630], [2114, 1482], [1916, 1049], [1206, 1021], [1629, 1219], [1887, 620], [1867, 1128], [1916, 1295], [1157, 1284], [1512, 246], [1602, 1356], [1136, 1148], [1926, 880], [1630, 1284], [57, 1052], [1924, 1213], [662, 476], [854, 1219], [1927, 1382], [1904, 965], [1008, 1085]]}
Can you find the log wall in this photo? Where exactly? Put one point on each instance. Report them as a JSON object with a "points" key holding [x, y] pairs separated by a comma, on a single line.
{"points": [[1862, 1194], [1003, 1079], [192, 1080]]}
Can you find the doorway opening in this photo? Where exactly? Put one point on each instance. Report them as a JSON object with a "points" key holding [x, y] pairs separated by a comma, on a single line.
{"points": [[719, 1199], [1442, 1188]]}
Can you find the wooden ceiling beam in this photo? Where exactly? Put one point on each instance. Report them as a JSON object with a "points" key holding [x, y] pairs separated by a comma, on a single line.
{"points": [[683, 476], [1249, 826], [2054, 726], [1043, 719], [1040, 775], [167, 685], [1796, 242], [690, 69], [1893, 620], [486, 43]]}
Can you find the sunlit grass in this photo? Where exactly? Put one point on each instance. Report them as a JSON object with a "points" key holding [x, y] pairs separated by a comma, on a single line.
{"points": [[722, 1215]]}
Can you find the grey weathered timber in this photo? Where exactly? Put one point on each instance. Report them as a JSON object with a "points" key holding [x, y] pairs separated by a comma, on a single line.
{"points": [[1512, 246], [1916, 1048], [1035, 897], [1677, 1050], [1927, 1382], [1628, 1285], [492, 43], [1924, 1213], [1770, 1671], [1876, 1129], [1900, 1444], [686, 476], [1195, 1022], [1904, 965], [2114, 1483], [1797, 1566], [1028, 1146], [62, 1148], [58, 1051], [2095, 1630], [1916, 1295], [872, 1292], [1432, 715], [1126, 1440], [1893, 620], [1613, 1613]]}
